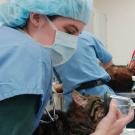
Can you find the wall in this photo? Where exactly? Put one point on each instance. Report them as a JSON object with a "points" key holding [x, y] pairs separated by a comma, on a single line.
{"points": [[98, 26], [120, 27]]}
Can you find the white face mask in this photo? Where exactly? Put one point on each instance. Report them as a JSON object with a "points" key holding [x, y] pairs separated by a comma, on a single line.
{"points": [[64, 46]]}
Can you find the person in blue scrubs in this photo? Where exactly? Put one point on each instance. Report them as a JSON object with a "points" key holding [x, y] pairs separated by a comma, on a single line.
{"points": [[31, 41], [86, 65]]}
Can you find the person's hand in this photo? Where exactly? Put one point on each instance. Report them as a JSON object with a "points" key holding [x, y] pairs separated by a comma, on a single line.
{"points": [[114, 122], [58, 87]]}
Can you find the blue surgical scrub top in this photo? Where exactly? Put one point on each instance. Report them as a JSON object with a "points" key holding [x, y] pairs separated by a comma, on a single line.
{"points": [[25, 68], [84, 66]]}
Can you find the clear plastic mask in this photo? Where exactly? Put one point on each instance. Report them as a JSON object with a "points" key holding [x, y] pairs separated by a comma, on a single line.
{"points": [[125, 104]]}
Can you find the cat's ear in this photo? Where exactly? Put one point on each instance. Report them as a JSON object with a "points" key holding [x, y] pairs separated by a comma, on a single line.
{"points": [[78, 99]]}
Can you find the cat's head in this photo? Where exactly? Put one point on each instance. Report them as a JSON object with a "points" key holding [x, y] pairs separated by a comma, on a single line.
{"points": [[86, 110], [93, 105]]}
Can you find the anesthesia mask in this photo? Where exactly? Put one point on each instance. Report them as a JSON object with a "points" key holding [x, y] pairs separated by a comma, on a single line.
{"points": [[124, 104]]}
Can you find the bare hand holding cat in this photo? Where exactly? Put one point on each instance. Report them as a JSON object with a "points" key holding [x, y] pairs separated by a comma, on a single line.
{"points": [[114, 122]]}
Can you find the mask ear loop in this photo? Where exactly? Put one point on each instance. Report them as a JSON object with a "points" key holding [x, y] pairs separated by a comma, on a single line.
{"points": [[52, 118], [51, 24], [55, 116]]}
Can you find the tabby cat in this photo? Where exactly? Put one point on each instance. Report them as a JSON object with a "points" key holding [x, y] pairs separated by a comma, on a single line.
{"points": [[82, 117]]}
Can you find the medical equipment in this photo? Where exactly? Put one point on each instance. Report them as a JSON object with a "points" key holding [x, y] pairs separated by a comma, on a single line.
{"points": [[125, 104], [132, 62], [128, 131], [51, 117], [133, 79]]}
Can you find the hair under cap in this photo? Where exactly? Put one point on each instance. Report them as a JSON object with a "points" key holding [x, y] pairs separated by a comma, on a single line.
{"points": [[15, 13]]}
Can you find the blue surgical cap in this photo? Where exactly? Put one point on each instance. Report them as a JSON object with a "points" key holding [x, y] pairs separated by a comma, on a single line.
{"points": [[16, 12]]}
